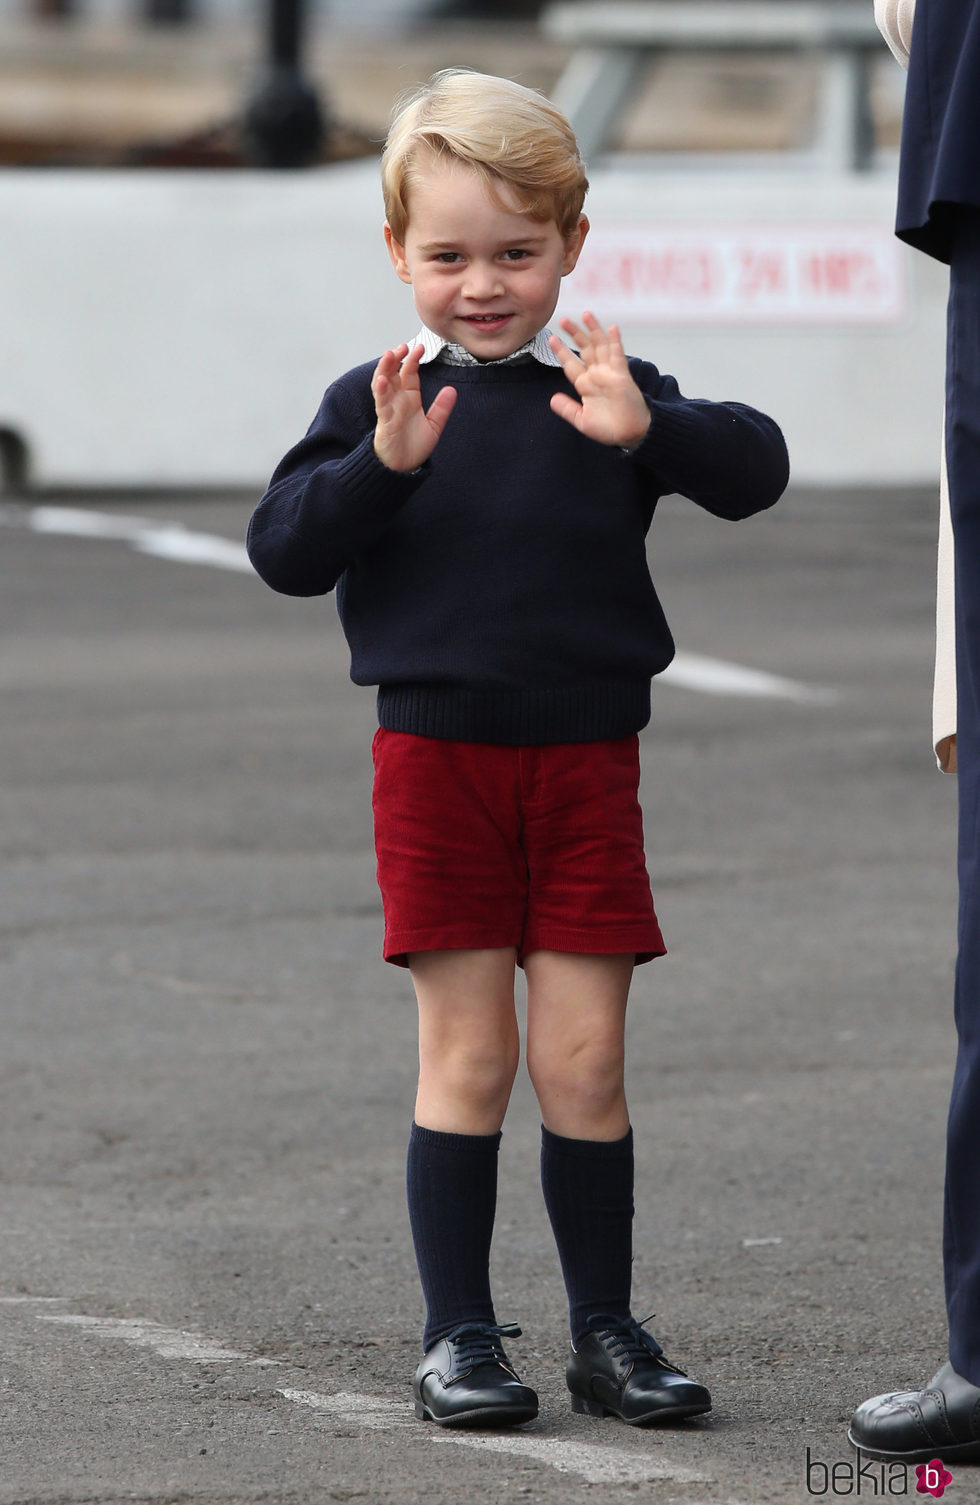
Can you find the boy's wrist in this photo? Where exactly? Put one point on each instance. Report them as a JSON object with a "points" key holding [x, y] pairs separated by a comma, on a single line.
{"points": [[629, 445], [398, 470]]}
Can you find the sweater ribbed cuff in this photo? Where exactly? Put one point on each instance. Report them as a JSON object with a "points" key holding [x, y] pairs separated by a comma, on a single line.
{"points": [[365, 477], [674, 434]]}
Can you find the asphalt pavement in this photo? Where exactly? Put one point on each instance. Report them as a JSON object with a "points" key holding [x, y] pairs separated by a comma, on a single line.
{"points": [[207, 1291]]}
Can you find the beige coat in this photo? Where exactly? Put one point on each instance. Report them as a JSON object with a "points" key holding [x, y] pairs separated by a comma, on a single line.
{"points": [[894, 18]]}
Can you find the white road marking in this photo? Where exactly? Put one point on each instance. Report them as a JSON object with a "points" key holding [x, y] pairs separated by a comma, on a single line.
{"points": [[596, 1463], [715, 676], [163, 540], [168, 1342], [591, 1461], [173, 541], [194, 548], [367, 1411], [26, 1300]]}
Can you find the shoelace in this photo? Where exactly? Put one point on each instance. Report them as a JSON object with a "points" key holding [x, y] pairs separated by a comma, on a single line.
{"points": [[480, 1343], [626, 1337]]}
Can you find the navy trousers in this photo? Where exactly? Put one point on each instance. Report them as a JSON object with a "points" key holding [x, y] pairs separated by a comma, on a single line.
{"points": [[961, 1240]]}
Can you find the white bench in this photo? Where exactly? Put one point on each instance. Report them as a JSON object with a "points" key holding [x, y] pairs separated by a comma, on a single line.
{"points": [[614, 39]]}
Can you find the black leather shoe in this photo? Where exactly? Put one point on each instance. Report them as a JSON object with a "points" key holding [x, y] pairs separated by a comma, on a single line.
{"points": [[915, 1426], [467, 1380], [619, 1370]]}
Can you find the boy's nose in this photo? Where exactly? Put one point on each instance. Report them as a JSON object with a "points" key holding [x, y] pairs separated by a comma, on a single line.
{"points": [[482, 282]]}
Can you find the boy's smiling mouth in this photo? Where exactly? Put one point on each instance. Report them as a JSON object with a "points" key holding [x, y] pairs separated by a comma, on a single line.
{"points": [[486, 320]]}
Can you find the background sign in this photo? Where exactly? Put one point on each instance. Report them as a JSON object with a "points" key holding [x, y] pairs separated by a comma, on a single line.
{"points": [[811, 274]]}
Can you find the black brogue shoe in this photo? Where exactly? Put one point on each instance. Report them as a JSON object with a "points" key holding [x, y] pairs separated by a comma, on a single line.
{"points": [[619, 1369], [915, 1426], [467, 1380]]}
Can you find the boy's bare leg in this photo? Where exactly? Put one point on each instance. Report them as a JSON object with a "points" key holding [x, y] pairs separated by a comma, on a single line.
{"points": [[576, 1012], [576, 1018], [468, 1053], [576, 1021], [469, 1045]]}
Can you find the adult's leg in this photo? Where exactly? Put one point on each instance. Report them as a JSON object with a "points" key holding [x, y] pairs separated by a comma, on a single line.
{"points": [[943, 1420], [962, 1204], [468, 1053]]}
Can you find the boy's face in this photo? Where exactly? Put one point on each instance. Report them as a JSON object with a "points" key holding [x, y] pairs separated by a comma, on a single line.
{"points": [[484, 276]]}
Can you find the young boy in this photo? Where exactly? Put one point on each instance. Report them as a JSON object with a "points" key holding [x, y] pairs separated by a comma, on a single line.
{"points": [[480, 500]]}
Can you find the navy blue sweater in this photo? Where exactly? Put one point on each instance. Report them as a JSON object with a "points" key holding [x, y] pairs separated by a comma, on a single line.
{"points": [[502, 593]]}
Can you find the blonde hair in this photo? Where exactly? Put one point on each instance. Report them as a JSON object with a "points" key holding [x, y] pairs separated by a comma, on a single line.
{"points": [[507, 133]]}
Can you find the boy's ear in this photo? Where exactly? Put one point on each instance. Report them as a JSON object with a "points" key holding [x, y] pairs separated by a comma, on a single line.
{"points": [[397, 253], [573, 246]]}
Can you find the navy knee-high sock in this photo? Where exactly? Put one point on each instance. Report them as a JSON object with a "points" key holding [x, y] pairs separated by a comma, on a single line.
{"points": [[588, 1191], [452, 1199]]}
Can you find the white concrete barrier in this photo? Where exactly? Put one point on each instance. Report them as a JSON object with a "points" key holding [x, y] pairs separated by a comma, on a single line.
{"points": [[178, 328]]}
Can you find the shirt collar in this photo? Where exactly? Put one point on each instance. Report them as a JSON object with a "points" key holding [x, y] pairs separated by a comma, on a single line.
{"points": [[437, 348]]}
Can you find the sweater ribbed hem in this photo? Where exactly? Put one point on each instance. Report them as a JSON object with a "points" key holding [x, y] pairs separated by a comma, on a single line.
{"points": [[524, 718]]}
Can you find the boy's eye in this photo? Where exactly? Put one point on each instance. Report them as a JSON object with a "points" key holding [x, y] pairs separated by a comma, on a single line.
{"points": [[448, 257], [516, 253]]}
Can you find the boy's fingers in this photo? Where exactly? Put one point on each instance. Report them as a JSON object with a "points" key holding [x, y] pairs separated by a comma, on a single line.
{"points": [[566, 407], [381, 391], [392, 359], [569, 360], [588, 328], [591, 339], [387, 366], [616, 342], [602, 339], [442, 405], [580, 336], [410, 367], [597, 330]]}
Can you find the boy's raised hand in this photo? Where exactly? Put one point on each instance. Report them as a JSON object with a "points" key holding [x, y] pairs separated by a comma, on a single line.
{"points": [[612, 409], [406, 434]]}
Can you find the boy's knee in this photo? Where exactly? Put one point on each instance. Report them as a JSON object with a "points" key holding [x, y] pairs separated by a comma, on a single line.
{"points": [[587, 1069], [479, 1074]]}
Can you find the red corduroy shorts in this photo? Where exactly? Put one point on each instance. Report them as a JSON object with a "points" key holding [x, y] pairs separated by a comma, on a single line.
{"points": [[540, 848]]}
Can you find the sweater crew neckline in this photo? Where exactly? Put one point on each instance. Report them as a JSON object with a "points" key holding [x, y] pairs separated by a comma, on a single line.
{"points": [[496, 371]]}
